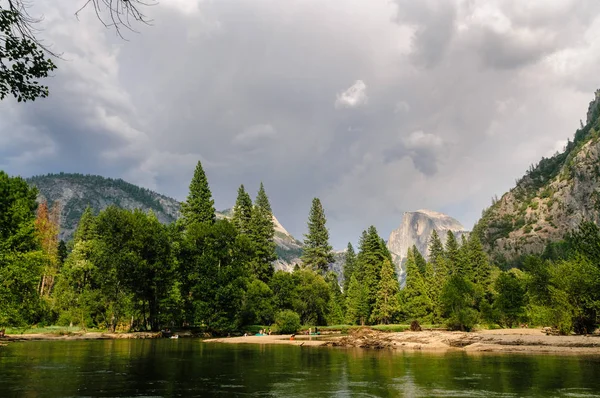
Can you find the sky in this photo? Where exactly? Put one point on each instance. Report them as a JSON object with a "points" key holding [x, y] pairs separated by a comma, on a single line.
{"points": [[376, 107]]}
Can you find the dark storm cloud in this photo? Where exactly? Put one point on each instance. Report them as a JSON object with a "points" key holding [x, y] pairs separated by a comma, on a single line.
{"points": [[375, 107]]}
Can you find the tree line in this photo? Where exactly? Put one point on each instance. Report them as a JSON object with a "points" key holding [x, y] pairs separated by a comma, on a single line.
{"points": [[124, 270]]}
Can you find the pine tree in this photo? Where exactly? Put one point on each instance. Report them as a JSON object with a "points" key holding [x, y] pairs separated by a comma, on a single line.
{"points": [[349, 266], [262, 232], [357, 303], [418, 304], [463, 260], [336, 300], [370, 259], [199, 206], [452, 255], [419, 260], [436, 249], [317, 251], [386, 302], [242, 211], [479, 262]]}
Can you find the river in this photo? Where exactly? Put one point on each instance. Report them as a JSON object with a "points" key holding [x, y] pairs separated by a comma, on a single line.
{"points": [[191, 368]]}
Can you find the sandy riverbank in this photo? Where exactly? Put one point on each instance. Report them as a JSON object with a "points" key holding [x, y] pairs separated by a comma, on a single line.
{"points": [[502, 340]]}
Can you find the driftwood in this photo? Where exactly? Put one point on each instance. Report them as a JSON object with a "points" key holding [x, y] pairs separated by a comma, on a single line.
{"points": [[415, 327]]}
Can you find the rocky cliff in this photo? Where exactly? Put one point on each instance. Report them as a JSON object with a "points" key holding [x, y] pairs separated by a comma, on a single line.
{"points": [[550, 200], [415, 229], [75, 192]]}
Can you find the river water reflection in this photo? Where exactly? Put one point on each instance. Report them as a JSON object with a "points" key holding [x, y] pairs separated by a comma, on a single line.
{"points": [[190, 368]]}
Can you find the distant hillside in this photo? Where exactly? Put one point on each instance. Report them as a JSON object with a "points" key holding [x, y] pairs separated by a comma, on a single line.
{"points": [[550, 200], [75, 192]]}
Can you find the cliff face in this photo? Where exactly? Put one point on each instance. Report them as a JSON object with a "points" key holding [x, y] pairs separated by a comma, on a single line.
{"points": [[550, 200], [415, 229]]}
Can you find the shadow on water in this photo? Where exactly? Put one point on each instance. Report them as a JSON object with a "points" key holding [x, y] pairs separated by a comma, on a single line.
{"points": [[188, 367]]}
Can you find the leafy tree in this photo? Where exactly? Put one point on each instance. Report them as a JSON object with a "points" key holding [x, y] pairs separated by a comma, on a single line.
{"points": [[257, 306], [283, 285], [510, 300], [317, 253], [312, 297], [386, 302], [199, 206], [242, 211], [357, 303], [287, 322], [262, 236], [22, 61], [47, 228], [349, 265], [21, 260], [457, 301]]}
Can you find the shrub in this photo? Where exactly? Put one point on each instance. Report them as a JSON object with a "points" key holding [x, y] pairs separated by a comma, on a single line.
{"points": [[287, 321]]}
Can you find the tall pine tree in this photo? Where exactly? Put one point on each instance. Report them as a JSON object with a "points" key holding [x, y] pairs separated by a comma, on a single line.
{"points": [[357, 303], [349, 265], [262, 233], [242, 211], [199, 206], [417, 303], [452, 254], [386, 301], [317, 251]]}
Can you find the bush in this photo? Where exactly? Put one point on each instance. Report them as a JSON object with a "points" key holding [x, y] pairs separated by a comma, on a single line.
{"points": [[286, 322]]}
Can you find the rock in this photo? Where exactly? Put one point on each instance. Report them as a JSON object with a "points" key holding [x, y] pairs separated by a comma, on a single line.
{"points": [[415, 229]]}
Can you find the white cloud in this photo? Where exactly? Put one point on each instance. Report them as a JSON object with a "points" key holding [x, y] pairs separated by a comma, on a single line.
{"points": [[421, 140], [353, 97]]}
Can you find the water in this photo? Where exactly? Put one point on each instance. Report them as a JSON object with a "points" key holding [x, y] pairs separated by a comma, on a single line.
{"points": [[190, 368]]}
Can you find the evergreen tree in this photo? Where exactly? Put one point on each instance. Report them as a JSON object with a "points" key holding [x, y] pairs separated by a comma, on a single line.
{"points": [[417, 303], [242, 211], [262, 233], [386, 302], [370, 259], [437, 254], [199, 206], [335, 315], [464, 261], [478, 260], [349, 266], [357, 303], [452, 254], [509, 303], [317, 253], [419, 260]]}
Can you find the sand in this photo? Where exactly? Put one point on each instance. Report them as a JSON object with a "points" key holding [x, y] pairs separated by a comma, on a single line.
{"points": [[502, 340]]}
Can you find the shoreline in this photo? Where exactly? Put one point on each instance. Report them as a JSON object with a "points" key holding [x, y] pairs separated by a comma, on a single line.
{"points": [[527, 341], [533, 341]]}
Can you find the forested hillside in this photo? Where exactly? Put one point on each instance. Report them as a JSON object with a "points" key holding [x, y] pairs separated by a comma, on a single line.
{"points": [[551, 199]]}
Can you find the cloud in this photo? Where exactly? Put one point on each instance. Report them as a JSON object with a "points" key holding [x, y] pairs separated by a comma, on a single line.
{"points": [[354, 97], [463, 95], [254, 134]]}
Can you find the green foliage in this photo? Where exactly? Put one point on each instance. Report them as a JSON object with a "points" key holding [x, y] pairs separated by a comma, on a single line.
{"points": [[199, 205], [357, 303], [387, 305], [262, 232], [457, 299], [349, 265], [416, 299], [22, 61], [509, 302], [242, 211], [257, 304], [287, 322], [317, 251], [311, 297]]}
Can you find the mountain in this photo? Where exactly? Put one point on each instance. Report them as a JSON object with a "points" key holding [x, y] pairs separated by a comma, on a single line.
{"points": [[550, 200], [75, 192], [415, 229]]}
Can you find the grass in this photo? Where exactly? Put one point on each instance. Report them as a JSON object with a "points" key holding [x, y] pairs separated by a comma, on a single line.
{"points": [[57, 330]]}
